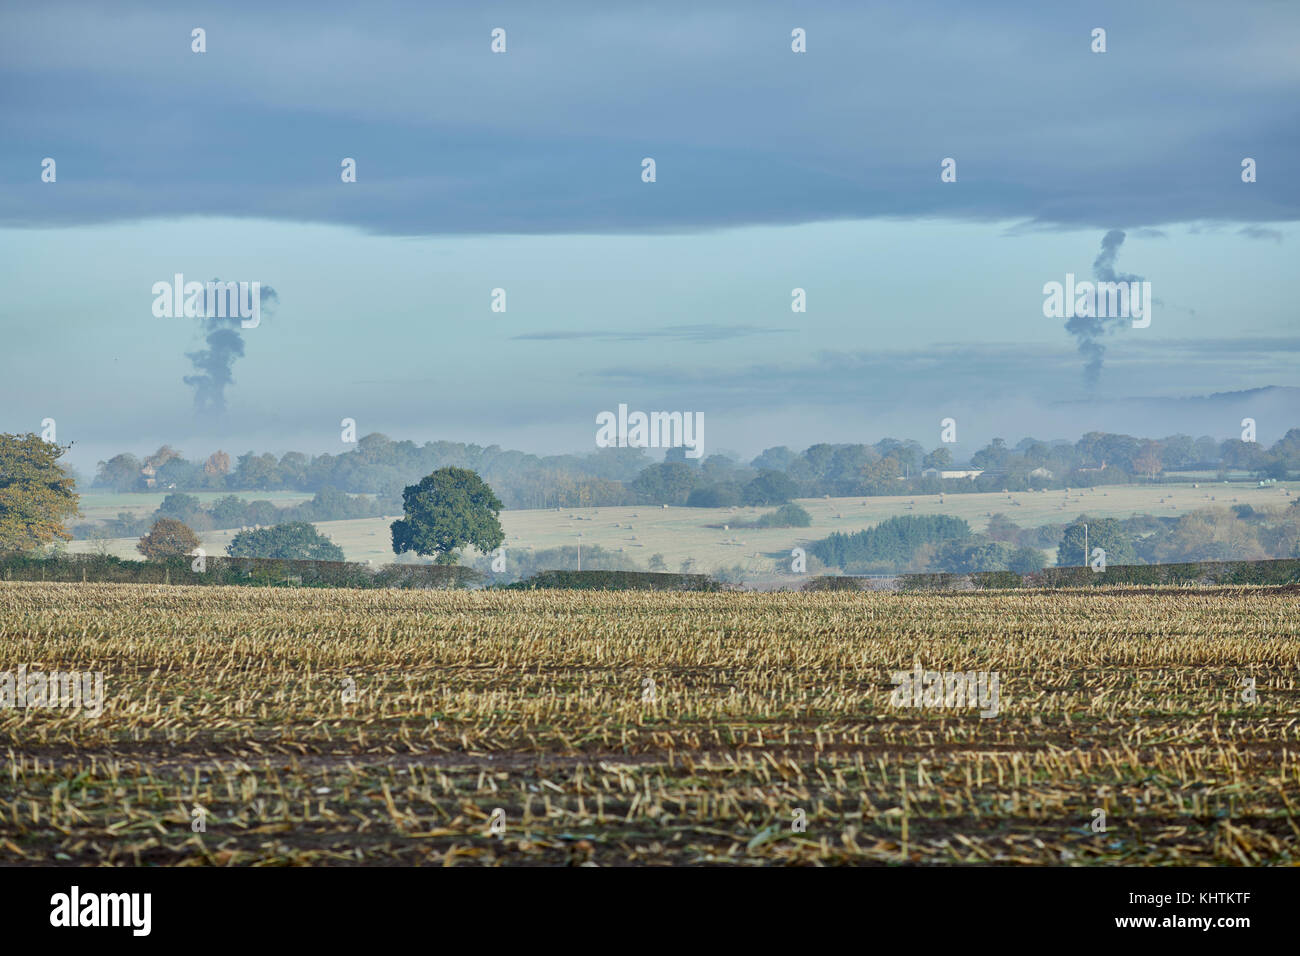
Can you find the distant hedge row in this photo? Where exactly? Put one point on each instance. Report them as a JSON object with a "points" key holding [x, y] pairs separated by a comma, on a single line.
{"points": [[832, 582], [1280, 571], [1284, 571], [617, 581], [259, 572], [266, 572]]}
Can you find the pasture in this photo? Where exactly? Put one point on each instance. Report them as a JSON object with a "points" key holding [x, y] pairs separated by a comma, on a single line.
{"points": [[710, 536]]}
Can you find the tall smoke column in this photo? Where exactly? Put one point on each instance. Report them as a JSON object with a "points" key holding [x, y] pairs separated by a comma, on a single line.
{"points": [[1088, 328], [214, 365]]}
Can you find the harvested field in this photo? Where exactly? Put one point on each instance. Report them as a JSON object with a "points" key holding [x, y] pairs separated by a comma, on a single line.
{"points": [[652, 728]]}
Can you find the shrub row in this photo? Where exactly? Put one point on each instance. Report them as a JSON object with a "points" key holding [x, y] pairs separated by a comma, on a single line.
{"points": [[266, 572], [939, 581], [617, 581], [259, 572], [1283, 571], [1279, 571], [830, 582]]}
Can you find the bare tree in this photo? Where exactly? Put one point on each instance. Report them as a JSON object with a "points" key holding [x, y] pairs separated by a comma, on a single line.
{"points": [[101, 541]]}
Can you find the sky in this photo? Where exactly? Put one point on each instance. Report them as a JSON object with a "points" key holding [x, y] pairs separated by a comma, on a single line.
{"points": [[523, 170]]}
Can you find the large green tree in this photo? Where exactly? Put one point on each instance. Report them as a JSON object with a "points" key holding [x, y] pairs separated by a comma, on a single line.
{"points": [[295, 541], [121, 473], [769, 488], [36, 495], [940, 458], [668, 483], [254, 471], [180, 506], [1105, 533], [446, 511]]}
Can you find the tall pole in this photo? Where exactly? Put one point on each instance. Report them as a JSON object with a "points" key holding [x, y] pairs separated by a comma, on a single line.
{"points": [[579, 550], [1085, 544]]}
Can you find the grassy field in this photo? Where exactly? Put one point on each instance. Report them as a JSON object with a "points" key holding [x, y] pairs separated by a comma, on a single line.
{"points": [[687, 533], [444, 728]]}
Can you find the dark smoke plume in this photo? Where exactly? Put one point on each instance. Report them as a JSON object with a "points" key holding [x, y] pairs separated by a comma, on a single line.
{"points": [[214, 365], [1087, 329]]}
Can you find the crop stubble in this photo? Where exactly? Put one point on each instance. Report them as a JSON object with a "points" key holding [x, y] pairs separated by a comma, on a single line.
{"points": [[1129, 701]]}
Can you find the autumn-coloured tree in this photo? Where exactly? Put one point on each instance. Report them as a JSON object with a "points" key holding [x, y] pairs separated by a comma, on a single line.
{"points": [[168, 538], [163, 455], [1149, 461], [218, 463], [36, 495], [880, 472]]}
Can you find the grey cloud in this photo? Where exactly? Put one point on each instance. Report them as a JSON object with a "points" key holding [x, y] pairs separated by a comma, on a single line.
{"points": [[956, 373], [548, 137], [1260, 232], [703, 332]]}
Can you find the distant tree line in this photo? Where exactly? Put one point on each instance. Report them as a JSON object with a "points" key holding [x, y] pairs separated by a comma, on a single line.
{"points": [[231, 511], [923, 543], [920, 543], [382, 467]]}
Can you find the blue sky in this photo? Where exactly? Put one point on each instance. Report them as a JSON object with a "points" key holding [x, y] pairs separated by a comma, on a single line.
{"points": [[522, 171]]}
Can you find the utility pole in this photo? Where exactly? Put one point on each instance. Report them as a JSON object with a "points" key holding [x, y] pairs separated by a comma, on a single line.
{"points": [[1085, 544]]}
